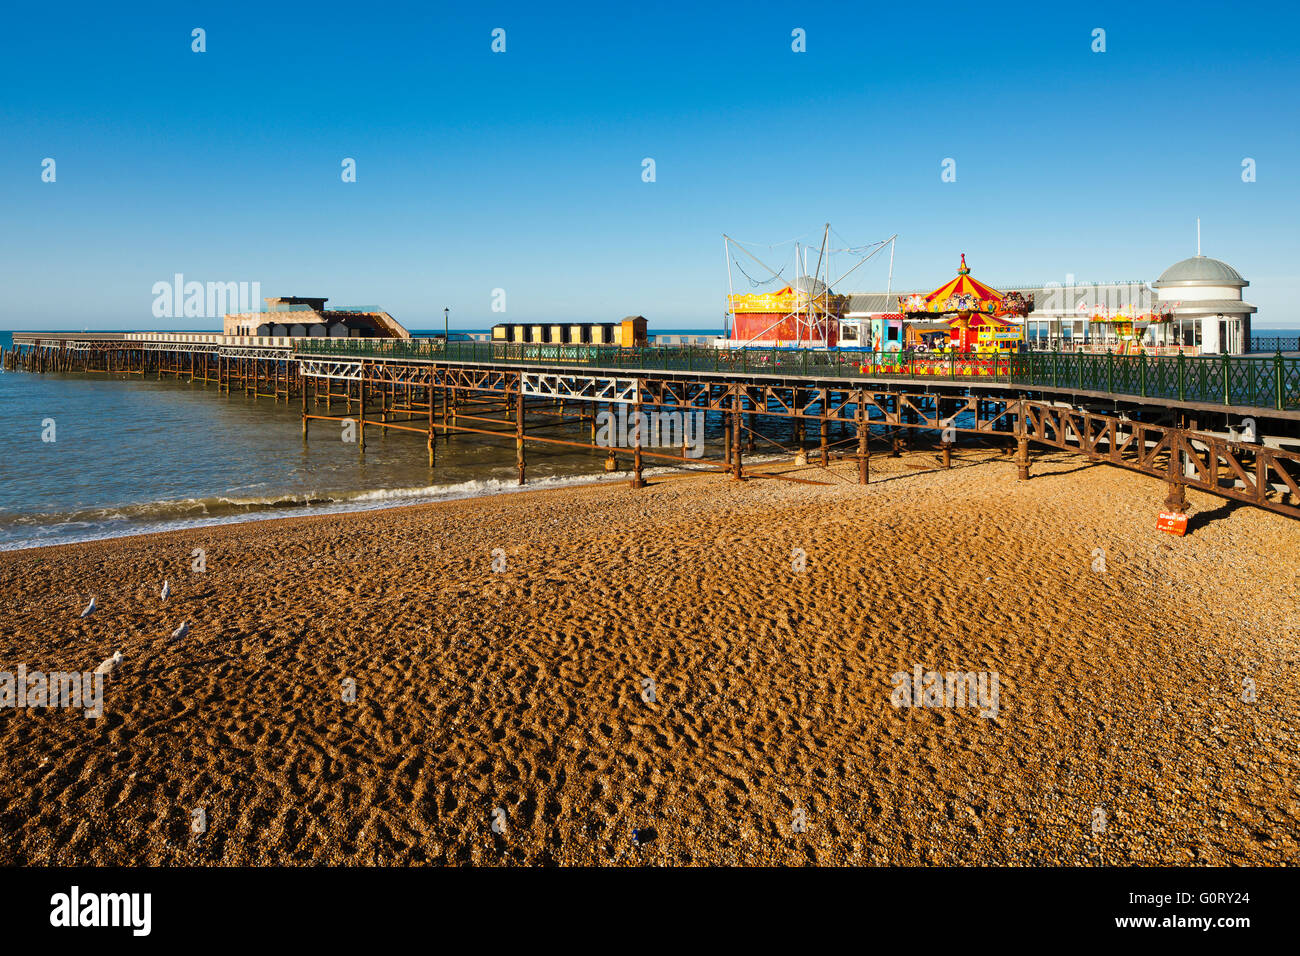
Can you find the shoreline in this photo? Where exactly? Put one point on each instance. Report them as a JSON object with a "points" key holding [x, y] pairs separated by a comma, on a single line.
{"points": [[361, 502], [521, 688]]}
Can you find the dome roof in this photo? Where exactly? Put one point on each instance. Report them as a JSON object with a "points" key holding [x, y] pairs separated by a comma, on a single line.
{"points": [[809, 285], [1200, 270]]}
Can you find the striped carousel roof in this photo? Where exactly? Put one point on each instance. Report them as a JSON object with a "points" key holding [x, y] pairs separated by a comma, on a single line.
{"points": [[963, 285]]}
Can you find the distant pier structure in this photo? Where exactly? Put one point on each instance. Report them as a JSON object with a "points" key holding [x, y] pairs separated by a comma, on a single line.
{"points": [[293, 316]]}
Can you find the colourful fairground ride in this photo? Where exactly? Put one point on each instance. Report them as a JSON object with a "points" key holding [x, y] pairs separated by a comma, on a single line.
{"points": [[975, 325], [800, 316], [1131, 331], [804, 313]]}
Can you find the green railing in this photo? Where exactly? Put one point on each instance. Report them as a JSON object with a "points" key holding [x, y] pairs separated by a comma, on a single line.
{"points": [[1248, 381]]}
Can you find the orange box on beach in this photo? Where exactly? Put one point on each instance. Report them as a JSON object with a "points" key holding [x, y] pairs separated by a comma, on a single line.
{"points": [[1173, 522]]}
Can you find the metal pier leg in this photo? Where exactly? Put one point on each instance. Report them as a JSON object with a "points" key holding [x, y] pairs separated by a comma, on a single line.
{"points": [[519, 430], [361, 408], [726, 443], [738, 471], [1176, 498], [637, 480], [826, 448], [864, 452], [433, 437]]}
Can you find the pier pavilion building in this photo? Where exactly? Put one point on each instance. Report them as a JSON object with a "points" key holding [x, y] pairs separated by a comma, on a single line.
{"points": [[303, 316]]}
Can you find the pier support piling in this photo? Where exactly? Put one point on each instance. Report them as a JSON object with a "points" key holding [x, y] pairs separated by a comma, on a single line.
{"points": [[638, 422], [825, 457], [1022, 458], [726, 443], [1176, 497], [361, 409], [864, 451], [738, 468], [433, 435], [519, 432]]}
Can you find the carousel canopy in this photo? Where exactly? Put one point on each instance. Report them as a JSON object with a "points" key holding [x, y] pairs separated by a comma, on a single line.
{"points": [[963, 295]]}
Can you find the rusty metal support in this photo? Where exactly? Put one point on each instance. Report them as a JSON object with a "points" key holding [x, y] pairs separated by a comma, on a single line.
{"points": [[519, 431], [1176, 497], [433, 435], [639, 428], [864, 450], [726, 442], [361, 407], [825, 458], [738, 473], [749, 433]]}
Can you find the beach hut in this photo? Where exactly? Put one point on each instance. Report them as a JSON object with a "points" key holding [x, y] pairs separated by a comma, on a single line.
{"points": [[632, 331]]}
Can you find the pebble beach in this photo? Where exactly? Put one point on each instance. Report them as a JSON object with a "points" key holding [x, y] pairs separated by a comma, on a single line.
{"points": [[703, 671]]}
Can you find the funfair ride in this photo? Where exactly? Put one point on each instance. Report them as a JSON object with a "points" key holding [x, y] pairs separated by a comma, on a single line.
{"points": [[978, 323], [1130, 330], [803, 313]]}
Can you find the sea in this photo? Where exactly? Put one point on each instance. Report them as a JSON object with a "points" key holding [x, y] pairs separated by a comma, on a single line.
{"points": [[134, 455]]}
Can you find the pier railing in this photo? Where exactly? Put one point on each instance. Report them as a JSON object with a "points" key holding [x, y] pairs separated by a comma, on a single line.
{"points": [[1247, 381], [1275, 343]]}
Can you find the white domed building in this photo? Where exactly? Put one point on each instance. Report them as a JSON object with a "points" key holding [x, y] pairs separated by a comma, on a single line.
{"points": [[1209, 313]]}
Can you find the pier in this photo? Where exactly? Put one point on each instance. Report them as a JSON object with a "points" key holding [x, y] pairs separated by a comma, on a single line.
{"points": [[1226, 425]]}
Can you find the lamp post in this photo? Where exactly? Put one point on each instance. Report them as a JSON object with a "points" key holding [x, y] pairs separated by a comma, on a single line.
{"points": [[446, 336]]}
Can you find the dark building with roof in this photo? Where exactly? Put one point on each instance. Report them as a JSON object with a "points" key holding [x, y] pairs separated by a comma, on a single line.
{"points": [[305, 316]]}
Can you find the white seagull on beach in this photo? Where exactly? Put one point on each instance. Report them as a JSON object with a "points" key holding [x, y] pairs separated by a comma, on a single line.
{"points": [[109, 665], [167, 590], [181, 631], [90, 608]]}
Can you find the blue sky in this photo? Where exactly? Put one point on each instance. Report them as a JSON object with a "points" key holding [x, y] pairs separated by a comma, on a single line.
{"points": [[523, 170]]}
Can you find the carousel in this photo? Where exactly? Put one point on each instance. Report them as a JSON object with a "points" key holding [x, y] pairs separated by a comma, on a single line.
{"points": [[963, 321], [977, 316], [1130, 331]]}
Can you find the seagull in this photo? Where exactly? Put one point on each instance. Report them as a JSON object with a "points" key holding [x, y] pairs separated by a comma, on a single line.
{"points": [[180, 631], [90, 608], [167, 589], [109, 665]]}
